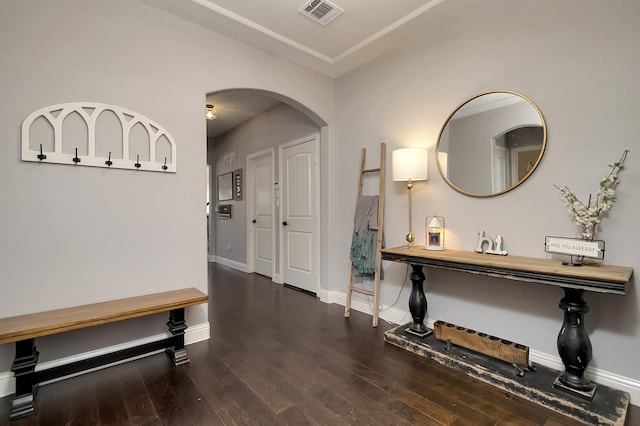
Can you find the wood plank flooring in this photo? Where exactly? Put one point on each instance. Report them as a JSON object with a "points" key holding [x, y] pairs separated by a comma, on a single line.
{"points": [[281, 357]]}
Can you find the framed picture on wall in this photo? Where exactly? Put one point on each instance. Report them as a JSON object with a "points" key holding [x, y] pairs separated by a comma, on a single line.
{"points": [[225, 187]]}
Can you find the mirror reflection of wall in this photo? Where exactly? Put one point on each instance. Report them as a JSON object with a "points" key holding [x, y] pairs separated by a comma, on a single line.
{"points": [[491, 144]]}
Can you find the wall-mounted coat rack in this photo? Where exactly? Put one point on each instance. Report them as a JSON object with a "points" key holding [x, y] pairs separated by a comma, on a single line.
{"points": [[97, 135]]}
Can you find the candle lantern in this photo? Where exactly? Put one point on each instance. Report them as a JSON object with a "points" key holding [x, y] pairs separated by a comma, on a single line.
{"points": [[434, 232]]}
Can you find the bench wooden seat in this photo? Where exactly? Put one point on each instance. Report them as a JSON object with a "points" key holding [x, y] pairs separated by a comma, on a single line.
{"points": [[45, 323], [23, 330]]}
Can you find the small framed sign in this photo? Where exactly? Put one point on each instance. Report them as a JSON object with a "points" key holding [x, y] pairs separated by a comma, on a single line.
{"points": [[237, 185], [574, 247]]}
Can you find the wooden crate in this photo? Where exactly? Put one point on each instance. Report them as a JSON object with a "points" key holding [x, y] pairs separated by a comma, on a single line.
{"points": [[492, 346]]}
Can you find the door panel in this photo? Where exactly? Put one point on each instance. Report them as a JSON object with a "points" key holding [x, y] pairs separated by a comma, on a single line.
{"points": [[262, 222], [299, 213], [299, 253]]}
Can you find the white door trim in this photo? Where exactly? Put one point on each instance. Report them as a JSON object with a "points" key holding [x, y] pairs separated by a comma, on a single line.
{"points": [[315, 138], [251, 208], [499, 163]]}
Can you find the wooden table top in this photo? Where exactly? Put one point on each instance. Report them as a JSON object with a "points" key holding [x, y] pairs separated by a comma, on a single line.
{"points": [[600, 277]]}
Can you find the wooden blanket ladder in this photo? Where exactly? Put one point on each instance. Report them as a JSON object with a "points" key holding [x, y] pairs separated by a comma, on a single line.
{"points": [[380, 171]]}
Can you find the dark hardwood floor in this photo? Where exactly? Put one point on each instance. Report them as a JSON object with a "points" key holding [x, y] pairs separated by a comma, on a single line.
{"points": [[280, 357]]}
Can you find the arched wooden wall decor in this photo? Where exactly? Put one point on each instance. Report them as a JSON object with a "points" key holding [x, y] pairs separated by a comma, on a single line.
{"points": [[97, 135]]}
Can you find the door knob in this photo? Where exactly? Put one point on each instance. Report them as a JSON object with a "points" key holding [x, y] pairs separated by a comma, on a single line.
{"points": [[284, 223], [254, 221]]}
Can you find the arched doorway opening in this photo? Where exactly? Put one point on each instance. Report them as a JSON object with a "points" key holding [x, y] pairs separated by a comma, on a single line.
{"points": [[251, 151]]}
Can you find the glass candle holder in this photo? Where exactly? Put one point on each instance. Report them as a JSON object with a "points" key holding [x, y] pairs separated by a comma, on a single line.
{"points": [[434, 232]]}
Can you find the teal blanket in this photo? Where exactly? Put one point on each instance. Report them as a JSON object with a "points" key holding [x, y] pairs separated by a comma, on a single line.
{"points": [[363, 253], [365, 235]]}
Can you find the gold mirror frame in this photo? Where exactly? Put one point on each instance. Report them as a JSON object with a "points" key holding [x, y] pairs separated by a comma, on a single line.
{"points": [[508, 95]]}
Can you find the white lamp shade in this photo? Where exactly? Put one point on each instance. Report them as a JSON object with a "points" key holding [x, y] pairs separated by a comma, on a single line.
{"points": [[410, 163]]}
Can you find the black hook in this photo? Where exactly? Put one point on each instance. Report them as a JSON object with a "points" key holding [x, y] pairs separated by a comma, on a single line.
{"points": [[109, 162], [76, 159], [138, 165], [41, 156], [164, 167]]}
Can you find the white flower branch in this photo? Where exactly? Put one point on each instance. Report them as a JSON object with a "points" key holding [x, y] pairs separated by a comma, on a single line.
{"points": [[588, 215]]}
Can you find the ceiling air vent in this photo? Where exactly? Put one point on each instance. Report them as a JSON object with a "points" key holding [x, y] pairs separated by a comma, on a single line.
{"points": [[321, 11]]}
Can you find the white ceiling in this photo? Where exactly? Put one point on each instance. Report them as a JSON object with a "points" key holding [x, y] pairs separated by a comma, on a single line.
{"points": [[234, 108], [365, 31]]}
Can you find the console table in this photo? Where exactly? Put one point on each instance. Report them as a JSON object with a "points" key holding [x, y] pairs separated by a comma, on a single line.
{"points": [[574, 346]]}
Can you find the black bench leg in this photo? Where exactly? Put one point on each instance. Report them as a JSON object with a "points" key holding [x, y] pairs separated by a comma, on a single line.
{"points": [[23, 368], [177, 326]]}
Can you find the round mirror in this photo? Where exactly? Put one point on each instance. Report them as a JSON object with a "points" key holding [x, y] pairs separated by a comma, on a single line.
{"points": [[491, 143]]}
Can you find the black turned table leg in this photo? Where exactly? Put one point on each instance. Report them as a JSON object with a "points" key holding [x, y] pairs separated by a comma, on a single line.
{"points": [[23, 368], [574, 346], [177, 326], [418, 303]]}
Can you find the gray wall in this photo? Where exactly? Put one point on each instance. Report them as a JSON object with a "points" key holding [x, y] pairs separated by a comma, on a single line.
{"points": [[270, 129], [75, 235], [578, 61]]}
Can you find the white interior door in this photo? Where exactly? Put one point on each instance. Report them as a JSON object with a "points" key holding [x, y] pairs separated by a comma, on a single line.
{"points": [[299, 213], [261, 212]]}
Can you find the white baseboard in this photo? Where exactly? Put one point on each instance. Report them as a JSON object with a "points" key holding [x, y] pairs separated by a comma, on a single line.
{"points": [[7, 384], [193, 334], [197, 333], [325, 296], [230, 263], [398, 316], [390, 314], [243, 267]]}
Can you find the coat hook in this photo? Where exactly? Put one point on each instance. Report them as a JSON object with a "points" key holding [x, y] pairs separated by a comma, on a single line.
{"points": [[109, 162], [41, 156], [137, 162], [164, 167], [76, 159]]}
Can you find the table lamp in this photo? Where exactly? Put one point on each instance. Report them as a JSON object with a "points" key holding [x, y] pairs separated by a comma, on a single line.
{"points": [[410, 165]]}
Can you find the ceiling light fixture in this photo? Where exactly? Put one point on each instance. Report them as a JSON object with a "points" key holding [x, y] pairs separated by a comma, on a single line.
{"points": [[211, 112]]}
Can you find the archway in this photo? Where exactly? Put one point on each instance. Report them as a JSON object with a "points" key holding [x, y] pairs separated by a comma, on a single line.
{"points": [[258, 134]]}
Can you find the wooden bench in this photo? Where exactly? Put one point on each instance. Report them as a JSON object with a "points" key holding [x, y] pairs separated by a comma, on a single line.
{"points": [[24, 329]]}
